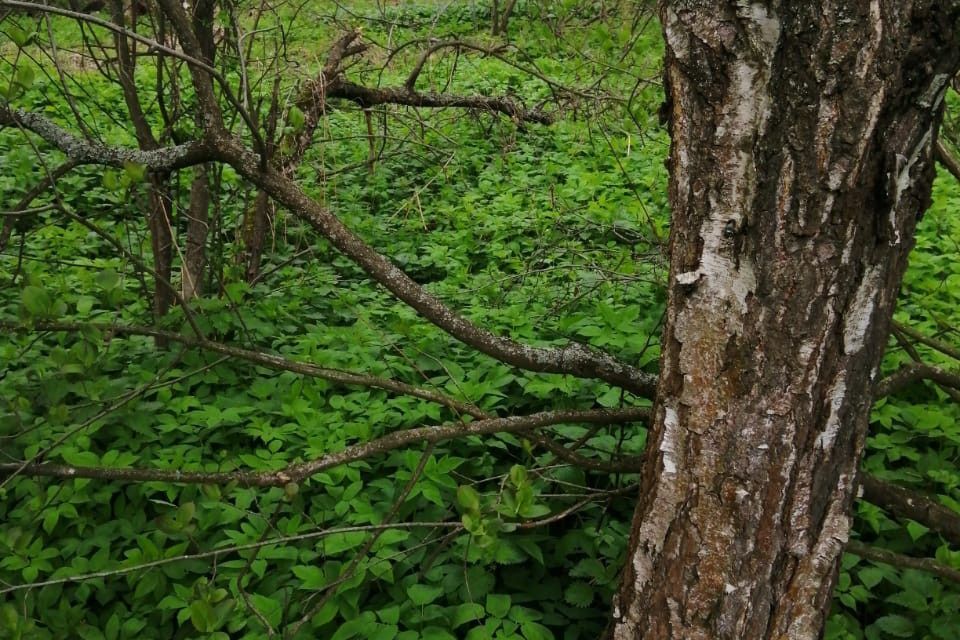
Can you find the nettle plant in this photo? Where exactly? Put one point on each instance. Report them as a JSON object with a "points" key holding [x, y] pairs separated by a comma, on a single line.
{"points": [[239, 397]]}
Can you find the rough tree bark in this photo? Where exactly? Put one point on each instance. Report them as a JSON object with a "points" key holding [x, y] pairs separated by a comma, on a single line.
{"points": [[159, 200], [803, 146], [198, 224]]}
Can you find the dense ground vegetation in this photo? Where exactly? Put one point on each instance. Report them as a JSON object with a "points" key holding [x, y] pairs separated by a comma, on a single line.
{"points": [[545, 232]]}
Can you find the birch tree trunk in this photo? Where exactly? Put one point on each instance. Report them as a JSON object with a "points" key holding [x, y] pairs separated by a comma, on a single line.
{"points": [[803, 138]]}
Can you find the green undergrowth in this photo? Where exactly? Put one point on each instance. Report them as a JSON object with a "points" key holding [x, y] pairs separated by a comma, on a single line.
{"points": [[544, 233]]}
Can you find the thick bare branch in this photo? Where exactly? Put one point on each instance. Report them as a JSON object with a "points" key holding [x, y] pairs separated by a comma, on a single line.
{"points": [[915, 372], [574, 359], [89, 152], [331, 83], [949, 161], [906, 503], [370, 97]]}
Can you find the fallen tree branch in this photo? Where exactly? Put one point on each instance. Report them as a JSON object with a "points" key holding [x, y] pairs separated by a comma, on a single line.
{"points": [[371, 97], [899, 560], [910, 504], [574, 359], [300, 472], [331, 83]]}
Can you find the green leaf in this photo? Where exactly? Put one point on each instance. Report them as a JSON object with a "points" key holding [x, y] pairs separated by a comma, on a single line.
{"points": [[364, 625], [50, 518], [466, 612], [479, 633], [468, 498], [108, 279], [20, 37], [9, 617], [389, 615], [202, 616], [518, 475], [134, 172], [36, 301], [498, 605], [87, 632], [530, 547], [507, 553], [385, 632], [296, 119], [112, 628], [422, 594], [270, 608], [340, 542], [536, 631], [436, 633], [946, 628], [909, 600], [24, 77], [896, 626], [916, 530], [579, 594], [79, 458], [327, 613], [312, 577], [870, 576], [589, 568]]}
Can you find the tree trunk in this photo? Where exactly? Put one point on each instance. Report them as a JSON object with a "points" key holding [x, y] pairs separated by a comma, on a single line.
{"points": [[159, 199], [256, 221], [803, 139], [191, 271], [161, 243]]}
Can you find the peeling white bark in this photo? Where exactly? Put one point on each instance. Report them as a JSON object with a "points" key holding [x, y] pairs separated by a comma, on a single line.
{"points": [[859, 314]]}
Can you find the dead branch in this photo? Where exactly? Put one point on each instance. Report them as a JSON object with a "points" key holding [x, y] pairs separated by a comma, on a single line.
{"points": [[901, 561], [371, 97], [90, 152], [575, 359], [949, 161], [300, 472], [933, 343], [915, 372], [909, 504]]}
